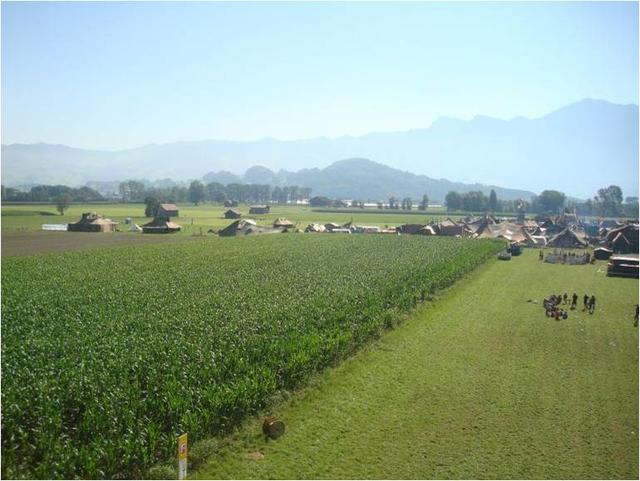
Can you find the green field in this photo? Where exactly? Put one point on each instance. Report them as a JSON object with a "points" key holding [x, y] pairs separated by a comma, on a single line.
{"points": [[478, 385], [203, 217], [108, 354]]}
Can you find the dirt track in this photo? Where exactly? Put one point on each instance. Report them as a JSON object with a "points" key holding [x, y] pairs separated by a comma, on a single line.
{"points": [[40, 242]]}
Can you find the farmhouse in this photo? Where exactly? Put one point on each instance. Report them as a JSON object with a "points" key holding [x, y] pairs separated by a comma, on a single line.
{"points": [[259, 209], [232, 214], [160, 225], [167, 210], [92, 222]]}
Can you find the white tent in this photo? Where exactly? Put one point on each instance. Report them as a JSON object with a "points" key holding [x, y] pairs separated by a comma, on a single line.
{"points": [[135, 228]]}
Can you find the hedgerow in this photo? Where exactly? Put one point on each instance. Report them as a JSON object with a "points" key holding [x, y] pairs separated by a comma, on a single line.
{"points": [[108, 355]]}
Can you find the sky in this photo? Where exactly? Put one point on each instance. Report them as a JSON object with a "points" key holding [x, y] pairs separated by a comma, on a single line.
{"points": [[121, 75]]}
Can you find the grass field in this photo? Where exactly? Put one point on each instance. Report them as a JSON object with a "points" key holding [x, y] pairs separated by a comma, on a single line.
{"points": [[203, 217], [108, 354], [479, 384]]}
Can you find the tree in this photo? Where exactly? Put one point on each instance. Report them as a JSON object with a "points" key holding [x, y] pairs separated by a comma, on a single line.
{"points": [[392, 202], [609, 201], [474, 201], [453, 200], [424, 203], [62, 203], [550, 201], [152, 204], [318, 201], [407, 203], [493, 201], [196, 192]]}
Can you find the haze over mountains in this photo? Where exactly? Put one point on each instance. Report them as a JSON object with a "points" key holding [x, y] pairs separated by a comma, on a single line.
{"points": [[576, 149]]}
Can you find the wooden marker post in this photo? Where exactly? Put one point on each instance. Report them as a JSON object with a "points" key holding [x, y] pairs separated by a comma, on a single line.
{"points": [[182, 456]]}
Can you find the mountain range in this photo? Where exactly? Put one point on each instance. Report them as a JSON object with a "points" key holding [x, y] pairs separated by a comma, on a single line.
{"points": [[362, 179], [576, 149]]}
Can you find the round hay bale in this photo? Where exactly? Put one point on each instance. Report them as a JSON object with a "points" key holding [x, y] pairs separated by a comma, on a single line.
{"points": [[272, 427]]}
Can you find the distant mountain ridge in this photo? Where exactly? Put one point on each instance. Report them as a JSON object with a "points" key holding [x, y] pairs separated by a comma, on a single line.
{"points": [[362, 179], [576, 149]]}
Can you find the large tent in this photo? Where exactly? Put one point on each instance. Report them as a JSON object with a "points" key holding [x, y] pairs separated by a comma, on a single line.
{"points": [[567, 239]]}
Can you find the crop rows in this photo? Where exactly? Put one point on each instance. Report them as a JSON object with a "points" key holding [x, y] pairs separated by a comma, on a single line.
{"points": [[107, 355]]}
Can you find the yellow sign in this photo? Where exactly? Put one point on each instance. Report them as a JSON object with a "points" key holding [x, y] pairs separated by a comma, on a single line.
{"points": [[182, 456]]}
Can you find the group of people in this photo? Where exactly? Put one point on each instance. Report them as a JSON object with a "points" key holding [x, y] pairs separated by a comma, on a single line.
{"points": [[569, 258], [552, 305]]}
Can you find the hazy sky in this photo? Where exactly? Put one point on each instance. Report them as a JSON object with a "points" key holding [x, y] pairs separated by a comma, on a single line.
{"points": [[117, 75]]}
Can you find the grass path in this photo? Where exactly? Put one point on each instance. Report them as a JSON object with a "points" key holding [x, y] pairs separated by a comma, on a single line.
{"points": [[479, 384]]}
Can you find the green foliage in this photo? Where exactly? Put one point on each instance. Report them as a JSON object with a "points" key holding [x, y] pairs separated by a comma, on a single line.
{"points": [[108, 355], [62, 203], [550, 201]]}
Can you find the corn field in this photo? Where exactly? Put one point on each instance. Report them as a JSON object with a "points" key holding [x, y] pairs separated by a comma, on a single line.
{"points": [[108, 355]]}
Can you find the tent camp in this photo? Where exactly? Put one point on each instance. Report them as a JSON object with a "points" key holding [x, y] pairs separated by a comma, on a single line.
{"points": [[246, 227]]}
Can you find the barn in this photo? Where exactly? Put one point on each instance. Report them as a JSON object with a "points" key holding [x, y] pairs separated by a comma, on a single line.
{"points": [[259, 209], [232, 214], [92, 222], [167, 210]]}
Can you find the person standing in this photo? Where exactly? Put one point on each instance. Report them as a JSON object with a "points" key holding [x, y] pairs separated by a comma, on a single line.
{"points": [[635, 324], [585, 302], [574, 301], [592, 304]]}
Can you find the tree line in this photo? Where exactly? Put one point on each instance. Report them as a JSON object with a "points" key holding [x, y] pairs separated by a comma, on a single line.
{"points": [[608, 202]]}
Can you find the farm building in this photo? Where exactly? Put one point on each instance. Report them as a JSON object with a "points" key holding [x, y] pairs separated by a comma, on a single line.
{"points": [[167, 210], [281, 222], [160, 225], [259, 209], [232, 214], [92, 222], [230, 203], [566, 239]]}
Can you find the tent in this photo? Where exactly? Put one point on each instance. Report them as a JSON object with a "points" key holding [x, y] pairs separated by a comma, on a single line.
{"points": [[567, 239], [135, 228]]}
